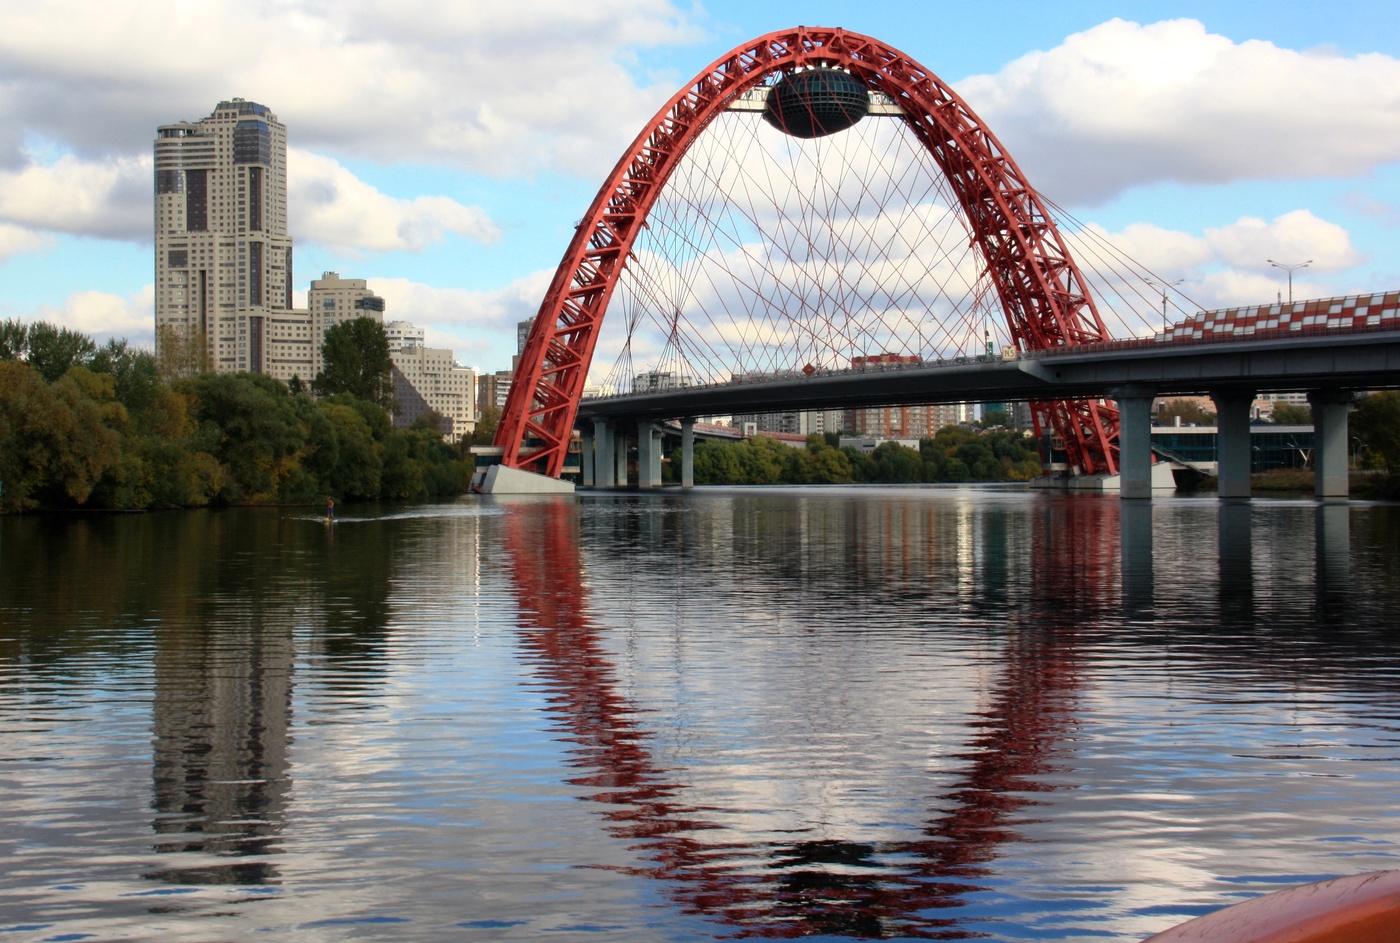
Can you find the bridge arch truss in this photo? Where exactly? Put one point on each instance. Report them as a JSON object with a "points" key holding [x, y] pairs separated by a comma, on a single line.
{"points": [[1041, 291]]}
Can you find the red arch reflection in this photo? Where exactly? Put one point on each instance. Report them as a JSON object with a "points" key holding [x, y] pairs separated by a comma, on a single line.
{"points": [[873, 890]]}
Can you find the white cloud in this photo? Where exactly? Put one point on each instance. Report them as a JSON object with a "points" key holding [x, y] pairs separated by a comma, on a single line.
{"points": [[478, 325], [506, 88], [17, 240], [108, 197], [1221, 267], [1292, 237], [330, 205], [1124, 104], [100, 315]]}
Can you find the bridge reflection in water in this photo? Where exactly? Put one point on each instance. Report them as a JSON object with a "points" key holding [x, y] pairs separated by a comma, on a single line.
{"points": [[872, 888]]}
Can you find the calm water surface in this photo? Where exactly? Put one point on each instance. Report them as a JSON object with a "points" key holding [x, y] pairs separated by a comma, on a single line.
{"points": [[879, 713]]}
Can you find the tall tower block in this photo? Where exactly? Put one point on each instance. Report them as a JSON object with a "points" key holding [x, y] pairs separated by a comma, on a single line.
{"points": [[223, 258]]}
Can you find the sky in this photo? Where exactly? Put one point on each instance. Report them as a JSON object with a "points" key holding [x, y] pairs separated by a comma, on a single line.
{"points": [[445, 150]]}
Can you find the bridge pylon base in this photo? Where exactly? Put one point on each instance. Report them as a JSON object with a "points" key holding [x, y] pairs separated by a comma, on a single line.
{"points": [[502, 479], [1162, 481]]}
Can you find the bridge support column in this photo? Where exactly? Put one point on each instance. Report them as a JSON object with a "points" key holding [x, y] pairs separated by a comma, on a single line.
{"points": [[648, 455], [1232, 444], [585, 458], [1134, 442], [601, 463], [687, 453], [1329, 410], [620, 453]]}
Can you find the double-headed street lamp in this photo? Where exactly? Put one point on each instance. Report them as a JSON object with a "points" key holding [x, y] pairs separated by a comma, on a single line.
{"points": [[1289, 269]]}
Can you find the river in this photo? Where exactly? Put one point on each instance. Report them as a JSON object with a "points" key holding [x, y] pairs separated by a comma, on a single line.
{"points": [[946, 712]]}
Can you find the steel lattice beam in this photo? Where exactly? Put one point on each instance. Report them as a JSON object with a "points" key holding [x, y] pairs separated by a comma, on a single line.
{"points": [[1041, 291]]}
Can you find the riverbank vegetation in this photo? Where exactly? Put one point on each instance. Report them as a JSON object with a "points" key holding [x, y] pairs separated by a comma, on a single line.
{"points": [[955, 454], [83, 426]]}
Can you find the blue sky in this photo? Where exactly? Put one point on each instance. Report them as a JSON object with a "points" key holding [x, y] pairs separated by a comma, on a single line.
{"points": [[445, 151]]}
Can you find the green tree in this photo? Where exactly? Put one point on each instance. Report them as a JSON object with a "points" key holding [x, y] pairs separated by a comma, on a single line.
{"points": [[356, 355], [717, 463], [897, 463], [831, 467], [54, 444], [485, 432], [53, 349], [1291, 414], [136, 372], [1376, 423], [249, 424], [14, 339], [761, 460]]}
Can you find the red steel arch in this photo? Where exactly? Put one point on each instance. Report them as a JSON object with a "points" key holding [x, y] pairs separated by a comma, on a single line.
{"points": [[1041, 290]]}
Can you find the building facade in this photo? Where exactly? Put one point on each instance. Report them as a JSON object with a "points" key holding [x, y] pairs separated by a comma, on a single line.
{"points": [[223, 258], [428, 379], [332, 300], [492, 390], [402, 334]]}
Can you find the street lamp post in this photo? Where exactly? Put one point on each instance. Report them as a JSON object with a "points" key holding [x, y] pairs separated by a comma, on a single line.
{"points": [[1289, 269], [1164, 286]]}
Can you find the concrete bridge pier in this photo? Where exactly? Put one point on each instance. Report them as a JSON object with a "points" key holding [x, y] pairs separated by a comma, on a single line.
{"points": [[648, 454], [619, 459], [687, 453], [600, 462], [1329, 410], [1134, 441], [1232, 448], [585, 458]]}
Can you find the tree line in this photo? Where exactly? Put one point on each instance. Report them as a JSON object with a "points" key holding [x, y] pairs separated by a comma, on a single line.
{"points": [[111, 427], [954, 454]]}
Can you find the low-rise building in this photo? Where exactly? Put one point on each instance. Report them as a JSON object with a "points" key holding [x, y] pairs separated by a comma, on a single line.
{"points": [[428, 379]]}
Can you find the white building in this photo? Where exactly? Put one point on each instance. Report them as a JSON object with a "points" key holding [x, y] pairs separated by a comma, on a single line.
{"points": [[427, 378], [223, 258], [332, 300], [402, 334]]}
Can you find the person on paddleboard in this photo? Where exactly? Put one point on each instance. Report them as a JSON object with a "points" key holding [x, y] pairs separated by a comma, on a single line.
{"points": [[330, 509]]}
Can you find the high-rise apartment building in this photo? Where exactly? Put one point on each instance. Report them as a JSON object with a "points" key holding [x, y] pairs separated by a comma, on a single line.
{"points": [[223, 259]]}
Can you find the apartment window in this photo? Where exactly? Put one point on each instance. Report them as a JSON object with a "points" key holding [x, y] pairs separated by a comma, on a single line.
{"points": [[197, 200], [255, 273]]}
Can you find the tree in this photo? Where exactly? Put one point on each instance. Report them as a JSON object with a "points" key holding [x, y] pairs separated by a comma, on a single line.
{"points": [[1190, 411], [1376, 423], [136, 372], [249, 423], [897, 463], [356, 355], [181, 352], [54, 445], [53, 349], [1290, 414], [485, 432], [14, 339]]}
